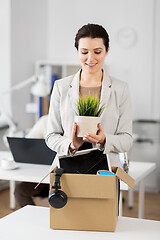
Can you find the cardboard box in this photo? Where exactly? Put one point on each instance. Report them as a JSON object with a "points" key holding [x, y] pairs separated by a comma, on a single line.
{"points": [[92, 201]]}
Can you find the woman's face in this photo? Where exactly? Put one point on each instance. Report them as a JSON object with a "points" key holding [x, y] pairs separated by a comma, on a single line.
{"points": [[92, 53]]}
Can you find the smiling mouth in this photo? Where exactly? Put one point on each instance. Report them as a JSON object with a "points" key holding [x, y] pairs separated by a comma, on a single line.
{"points": [[91, 64]]}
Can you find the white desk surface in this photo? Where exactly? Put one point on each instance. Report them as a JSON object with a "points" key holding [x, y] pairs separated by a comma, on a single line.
{"points": [[25, 172], [35, 172], [138, 171], [32, 222]]}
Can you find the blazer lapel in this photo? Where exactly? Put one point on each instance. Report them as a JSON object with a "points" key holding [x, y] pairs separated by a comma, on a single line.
{"points": [[106, 89], [74, 91]]}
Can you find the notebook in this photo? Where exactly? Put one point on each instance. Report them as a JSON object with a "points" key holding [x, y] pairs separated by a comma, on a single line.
{"points": [[31, 150]]}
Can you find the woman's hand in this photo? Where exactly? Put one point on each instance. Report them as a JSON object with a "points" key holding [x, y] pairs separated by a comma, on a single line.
{"points": [[76, 141], [96, 138]]}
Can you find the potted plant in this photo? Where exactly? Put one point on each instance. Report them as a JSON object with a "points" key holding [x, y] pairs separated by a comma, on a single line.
{"points": [[89, 110]]}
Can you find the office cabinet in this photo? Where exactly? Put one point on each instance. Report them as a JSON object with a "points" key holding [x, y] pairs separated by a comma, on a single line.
{"points": [[53, 71]]}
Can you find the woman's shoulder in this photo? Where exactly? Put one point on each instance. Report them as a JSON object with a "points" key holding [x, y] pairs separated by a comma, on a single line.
{"points": [[119, 87], [61, 85], [65, 82], [66, 79], [117, 82]]}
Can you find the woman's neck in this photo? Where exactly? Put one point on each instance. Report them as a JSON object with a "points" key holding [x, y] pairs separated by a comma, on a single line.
{"points": [[91, 80]]}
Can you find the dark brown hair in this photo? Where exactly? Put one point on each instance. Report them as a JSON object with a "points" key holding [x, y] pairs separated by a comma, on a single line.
{"points": [[92, 31]]}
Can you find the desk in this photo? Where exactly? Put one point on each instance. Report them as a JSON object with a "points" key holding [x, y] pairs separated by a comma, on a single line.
{"points": [[24, 173], [34, 173], [32, 222], [138, 171]]}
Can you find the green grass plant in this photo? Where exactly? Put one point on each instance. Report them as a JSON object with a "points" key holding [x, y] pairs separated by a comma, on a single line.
{"points": [[89, 106]]}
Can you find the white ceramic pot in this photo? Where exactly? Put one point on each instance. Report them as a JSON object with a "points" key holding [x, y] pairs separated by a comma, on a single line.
{"points": [[86, 124]]}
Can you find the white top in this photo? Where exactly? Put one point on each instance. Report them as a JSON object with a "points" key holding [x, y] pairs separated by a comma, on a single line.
{"points": [[31, 223]]}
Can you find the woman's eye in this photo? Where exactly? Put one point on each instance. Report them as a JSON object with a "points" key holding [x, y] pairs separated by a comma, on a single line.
{"points": [[97, 52], [84, 52]]}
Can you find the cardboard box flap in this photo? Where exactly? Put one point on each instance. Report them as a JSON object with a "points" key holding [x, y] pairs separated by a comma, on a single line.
{"points": [[87, 186], [124, 176]]}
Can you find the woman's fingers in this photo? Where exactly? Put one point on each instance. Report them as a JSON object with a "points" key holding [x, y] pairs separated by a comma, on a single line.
{"points": [[74, 131], [93, 138], [76, 141], [100, 129], [88, 137]]}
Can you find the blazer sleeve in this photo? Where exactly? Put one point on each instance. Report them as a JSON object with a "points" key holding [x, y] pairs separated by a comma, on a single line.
{"points": [[55, 139], [122, 140]]}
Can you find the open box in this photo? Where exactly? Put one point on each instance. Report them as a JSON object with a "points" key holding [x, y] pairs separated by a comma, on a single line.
{"points": [[92, 201]]}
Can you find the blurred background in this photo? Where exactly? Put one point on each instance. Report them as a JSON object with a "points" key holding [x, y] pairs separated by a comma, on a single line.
{"points": [[37, 40]]}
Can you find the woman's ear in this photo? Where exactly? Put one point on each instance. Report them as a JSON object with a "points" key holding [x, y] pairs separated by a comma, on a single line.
{"points": [[107, 52]]}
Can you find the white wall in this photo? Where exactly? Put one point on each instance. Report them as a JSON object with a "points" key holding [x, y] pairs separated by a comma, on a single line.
{"points": [[5, 53], [28, 43], [156, 62], [132, 64]]}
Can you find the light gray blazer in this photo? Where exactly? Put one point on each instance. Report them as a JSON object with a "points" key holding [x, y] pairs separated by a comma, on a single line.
{"points": [[116, 119]]}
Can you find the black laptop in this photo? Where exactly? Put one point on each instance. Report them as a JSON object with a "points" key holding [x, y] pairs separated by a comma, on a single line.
{"points": [[87, 161], [31, 150]]}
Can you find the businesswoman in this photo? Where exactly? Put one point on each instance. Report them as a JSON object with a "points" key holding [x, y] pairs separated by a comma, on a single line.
{"points": [[114, 133]]}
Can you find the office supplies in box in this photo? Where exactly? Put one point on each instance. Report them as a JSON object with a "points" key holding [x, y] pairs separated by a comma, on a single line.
{"points": [[86, 161], [92, 201]]}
